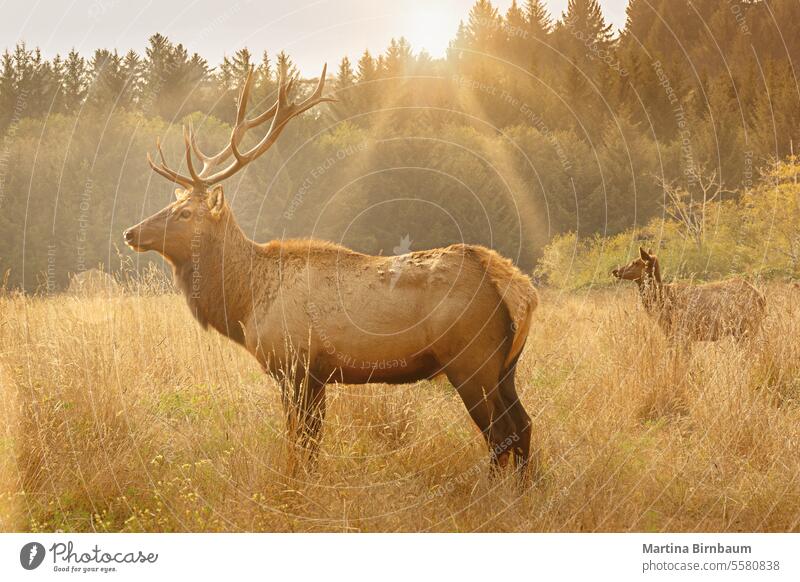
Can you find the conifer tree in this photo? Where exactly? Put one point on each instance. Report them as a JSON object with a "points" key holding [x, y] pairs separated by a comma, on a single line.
{"points": [[345, 76], [75, 82]]}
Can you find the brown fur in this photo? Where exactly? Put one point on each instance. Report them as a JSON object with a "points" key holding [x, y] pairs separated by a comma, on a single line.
{"points": [[314, 312], [517, 291], [705, 312]]}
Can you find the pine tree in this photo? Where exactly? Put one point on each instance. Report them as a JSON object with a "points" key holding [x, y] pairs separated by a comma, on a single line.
{"points": [[132, 70], [484, 27], [265, 72], [361, 98], [8, 91], [538, 19], [286, 66], [345, 76], [474, 56], [346, 92], [265, 84], [584, 32], [40, 85], [233, 70], [25, 69], [174, 81], [107, 79], [157, 71], [398, 58], [56, 80], [516, 42], [586, 40], [75, 82], [537, 38], [192, 89], [366, 68], [265, 75]]}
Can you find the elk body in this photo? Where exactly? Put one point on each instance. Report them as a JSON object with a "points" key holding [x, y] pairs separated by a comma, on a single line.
{"points": [[705, 312], [313, 312]]}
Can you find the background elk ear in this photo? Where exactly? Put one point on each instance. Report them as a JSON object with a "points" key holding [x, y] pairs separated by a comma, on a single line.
{"points": [[216, 200], [656, 270], [180, 193], [643, 254]]}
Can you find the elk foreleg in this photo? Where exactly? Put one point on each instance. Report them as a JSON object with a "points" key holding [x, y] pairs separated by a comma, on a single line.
{"points": [[312, 415], [303, 399]]}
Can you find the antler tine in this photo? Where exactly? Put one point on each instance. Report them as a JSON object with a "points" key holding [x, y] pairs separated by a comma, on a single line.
{"points": [[281, 104], [209, 162], [170, 175], [261, 117], [291, 108], [161, 153], [165, 170], [281, 113], [288, 87], [258, 119], [187, 140], [244, 95], [197, 151], [316, 97], [241, 127]]}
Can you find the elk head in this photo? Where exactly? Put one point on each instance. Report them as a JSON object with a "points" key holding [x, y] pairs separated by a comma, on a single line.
{"points": [[200, 204], [642, 269]]}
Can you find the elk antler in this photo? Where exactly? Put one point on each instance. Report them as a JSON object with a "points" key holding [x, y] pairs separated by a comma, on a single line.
{"points": [[281, 112]]}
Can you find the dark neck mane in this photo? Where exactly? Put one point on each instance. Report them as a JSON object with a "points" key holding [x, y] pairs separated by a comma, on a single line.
{"points": [[217, 281]]}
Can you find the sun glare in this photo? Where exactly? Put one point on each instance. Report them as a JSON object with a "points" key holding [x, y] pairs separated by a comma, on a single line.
{"points": [[430, 28]]}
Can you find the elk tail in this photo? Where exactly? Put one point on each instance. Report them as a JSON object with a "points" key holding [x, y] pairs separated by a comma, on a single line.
{"points": [[521, 333], [518, 294]]}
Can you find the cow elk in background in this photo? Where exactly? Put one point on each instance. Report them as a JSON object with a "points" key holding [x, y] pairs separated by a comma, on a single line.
{"points": [[688, 312], [313, 312]]}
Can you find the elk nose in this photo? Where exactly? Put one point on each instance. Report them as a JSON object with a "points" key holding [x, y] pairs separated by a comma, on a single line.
{"points": [[128, 235], [615, 272]]}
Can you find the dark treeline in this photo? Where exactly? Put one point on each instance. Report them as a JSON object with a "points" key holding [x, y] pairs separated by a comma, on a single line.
{"points": [[530, 127]]}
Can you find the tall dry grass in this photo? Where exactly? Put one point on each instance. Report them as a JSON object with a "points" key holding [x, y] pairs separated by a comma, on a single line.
{"points": [[121, 414]]}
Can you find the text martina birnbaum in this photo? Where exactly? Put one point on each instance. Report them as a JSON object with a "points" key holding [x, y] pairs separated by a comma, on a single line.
{"points": [[695, 549]]}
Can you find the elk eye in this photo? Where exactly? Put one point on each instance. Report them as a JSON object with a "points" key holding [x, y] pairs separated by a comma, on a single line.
{"points": [[185, 213]]}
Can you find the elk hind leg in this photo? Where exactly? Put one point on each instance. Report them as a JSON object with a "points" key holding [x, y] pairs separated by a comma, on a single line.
{"points": [[482, 396], [521, 437]]}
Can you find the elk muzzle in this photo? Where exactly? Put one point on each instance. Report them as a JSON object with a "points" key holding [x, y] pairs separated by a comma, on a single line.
{"points": [[137, 240]]}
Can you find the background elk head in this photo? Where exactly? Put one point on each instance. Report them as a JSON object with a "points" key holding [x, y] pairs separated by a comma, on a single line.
{"points": [[642, 269], [200, 203]]}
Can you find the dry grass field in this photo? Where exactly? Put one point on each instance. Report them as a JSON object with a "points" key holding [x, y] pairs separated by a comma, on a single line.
{"points": [[121, 414]]}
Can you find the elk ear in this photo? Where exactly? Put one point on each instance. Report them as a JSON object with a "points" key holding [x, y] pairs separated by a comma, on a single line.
{"points": [[643, 254], [215, 200], [180, 193], [656, 270]]}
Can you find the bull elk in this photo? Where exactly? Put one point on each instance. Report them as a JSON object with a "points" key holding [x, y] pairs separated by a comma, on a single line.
{"points": [[313, 312], [688, 312]]}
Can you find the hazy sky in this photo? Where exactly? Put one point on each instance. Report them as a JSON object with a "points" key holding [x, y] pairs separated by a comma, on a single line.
{"points": [[311, 31]]}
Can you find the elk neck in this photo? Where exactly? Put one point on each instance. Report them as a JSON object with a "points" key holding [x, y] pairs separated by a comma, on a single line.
{"points": [[652, 293], [217, 281]]}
